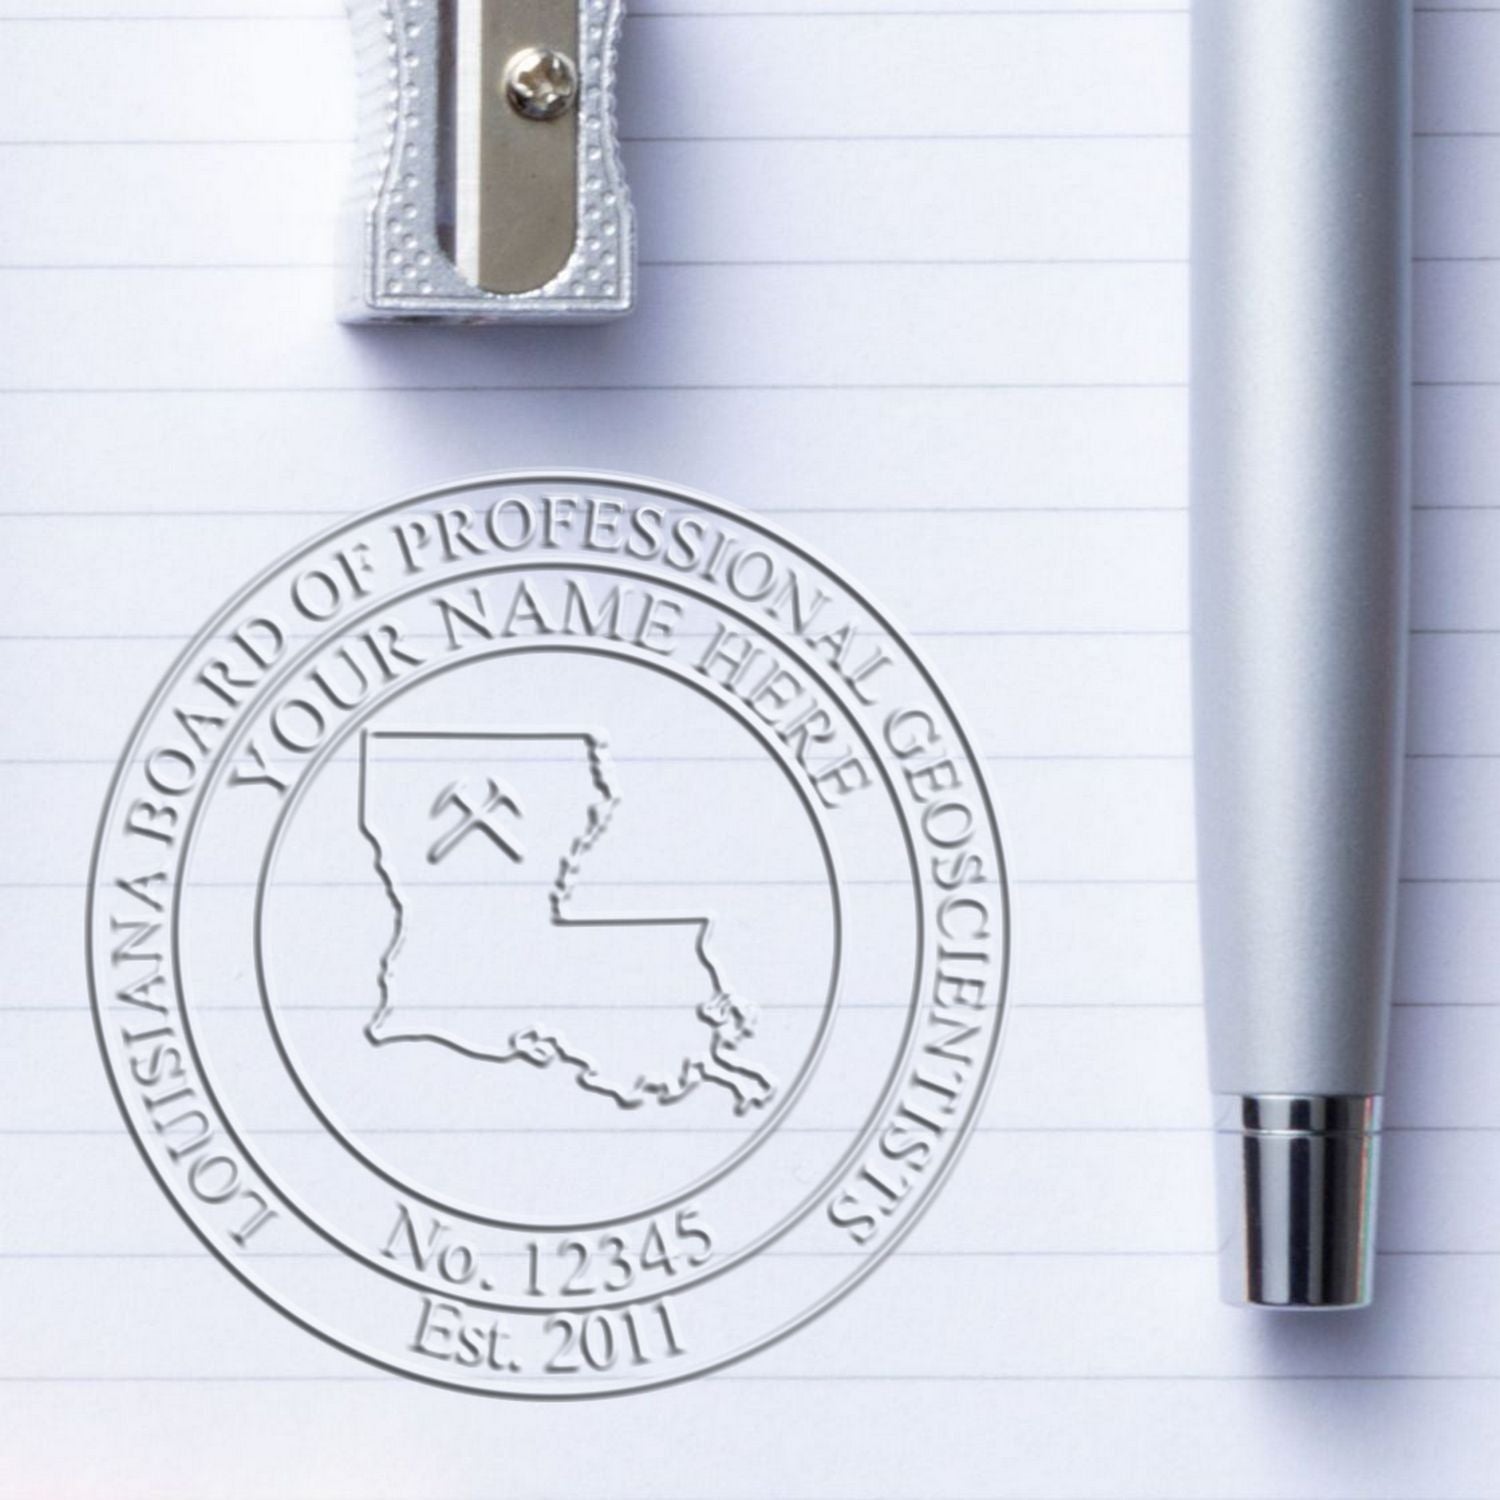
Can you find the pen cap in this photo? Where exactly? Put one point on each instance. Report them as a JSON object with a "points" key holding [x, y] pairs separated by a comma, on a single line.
{"points": [[1300, 397]]}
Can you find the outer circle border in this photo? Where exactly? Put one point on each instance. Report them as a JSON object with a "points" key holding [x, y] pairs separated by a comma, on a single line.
{"points": [[572, 477]]}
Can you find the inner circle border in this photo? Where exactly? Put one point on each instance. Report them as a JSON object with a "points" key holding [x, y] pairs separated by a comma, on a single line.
{"points": [[921, 1201], [675, 1196]]}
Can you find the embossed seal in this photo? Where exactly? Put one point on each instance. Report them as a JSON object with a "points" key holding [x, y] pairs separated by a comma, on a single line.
{"points": [[548, 937]]}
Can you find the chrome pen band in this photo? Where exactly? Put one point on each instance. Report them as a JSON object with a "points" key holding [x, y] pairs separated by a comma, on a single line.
{"points": [[1298, 1177]]}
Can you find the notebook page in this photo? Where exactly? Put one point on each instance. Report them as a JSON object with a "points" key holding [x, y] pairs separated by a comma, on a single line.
{"points": [[913, 286]]}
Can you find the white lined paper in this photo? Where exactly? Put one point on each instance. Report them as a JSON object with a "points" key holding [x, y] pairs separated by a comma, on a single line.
{"points": [[996, 307]]}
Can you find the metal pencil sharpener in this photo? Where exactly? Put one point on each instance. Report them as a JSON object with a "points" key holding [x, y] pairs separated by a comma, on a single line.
{"points": [[488, 183]]}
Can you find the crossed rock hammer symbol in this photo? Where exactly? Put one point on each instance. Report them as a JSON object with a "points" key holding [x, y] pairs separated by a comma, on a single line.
{"points": [[474, 819]]}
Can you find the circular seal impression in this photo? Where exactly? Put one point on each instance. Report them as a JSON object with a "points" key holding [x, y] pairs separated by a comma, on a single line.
{"points": [[548, 937]]}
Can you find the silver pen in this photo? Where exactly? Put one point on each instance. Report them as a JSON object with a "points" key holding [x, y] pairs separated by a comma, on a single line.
{"points": [[1301, 136]]}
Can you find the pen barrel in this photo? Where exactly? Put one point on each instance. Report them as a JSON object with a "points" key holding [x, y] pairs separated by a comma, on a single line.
{"points": [[1299, 533]]}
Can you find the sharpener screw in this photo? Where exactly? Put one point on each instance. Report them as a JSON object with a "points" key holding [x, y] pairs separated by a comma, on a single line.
{"points": [[540, 83]]}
